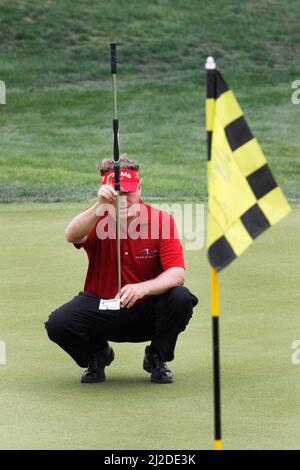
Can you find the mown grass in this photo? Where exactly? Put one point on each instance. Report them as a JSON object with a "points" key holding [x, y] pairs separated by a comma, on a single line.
{"points": [[44, 406], [56, 125]]}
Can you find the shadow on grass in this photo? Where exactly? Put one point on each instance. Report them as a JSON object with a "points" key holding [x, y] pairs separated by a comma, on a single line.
{"points": [[134, 382]]}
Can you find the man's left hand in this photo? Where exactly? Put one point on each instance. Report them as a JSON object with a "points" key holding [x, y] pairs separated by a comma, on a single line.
{"points": [[131, 293]]}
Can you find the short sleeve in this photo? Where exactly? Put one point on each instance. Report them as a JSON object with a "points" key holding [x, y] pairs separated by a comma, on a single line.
{"points": [[170, 247], [89, 242]]}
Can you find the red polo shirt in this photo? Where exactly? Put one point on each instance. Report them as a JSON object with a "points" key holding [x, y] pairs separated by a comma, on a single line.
{"points": [[155, 250]]}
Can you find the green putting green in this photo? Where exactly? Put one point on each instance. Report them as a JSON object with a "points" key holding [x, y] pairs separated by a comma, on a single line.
{"points": [[43, 405], [56, 125]]}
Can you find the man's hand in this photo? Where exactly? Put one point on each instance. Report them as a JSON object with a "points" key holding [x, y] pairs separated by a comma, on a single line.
{"points": [[106, 193], [131, 293]]}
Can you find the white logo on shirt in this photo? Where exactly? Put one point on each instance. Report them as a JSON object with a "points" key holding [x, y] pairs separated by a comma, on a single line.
{"points": [[146, 253]]}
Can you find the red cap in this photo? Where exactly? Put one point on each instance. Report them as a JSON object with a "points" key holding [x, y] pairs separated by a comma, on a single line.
{"points": [[128, 179]]}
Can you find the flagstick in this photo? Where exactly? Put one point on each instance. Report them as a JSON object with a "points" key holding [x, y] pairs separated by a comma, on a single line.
{"points": [[113, 50], [216, 359], [215, 310]]}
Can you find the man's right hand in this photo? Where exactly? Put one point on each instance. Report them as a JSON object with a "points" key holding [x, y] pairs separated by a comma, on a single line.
{"points": [[106, 193]]}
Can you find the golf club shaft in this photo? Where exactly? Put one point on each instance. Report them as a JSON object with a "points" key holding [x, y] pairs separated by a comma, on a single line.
{"points": [[113, 50]]}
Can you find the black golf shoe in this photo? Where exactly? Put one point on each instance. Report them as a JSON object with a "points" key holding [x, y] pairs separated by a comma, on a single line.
{"points": [[160, 373], [95, 371]]}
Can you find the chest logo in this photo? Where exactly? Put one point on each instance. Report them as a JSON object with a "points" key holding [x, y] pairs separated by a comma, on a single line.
{"points": [[146, 253]]}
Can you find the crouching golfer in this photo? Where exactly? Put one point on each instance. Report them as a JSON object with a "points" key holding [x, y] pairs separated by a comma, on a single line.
{"points": [[154, 304]]}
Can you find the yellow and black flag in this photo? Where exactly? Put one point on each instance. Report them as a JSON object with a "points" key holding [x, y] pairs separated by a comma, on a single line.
{"points": [[243, 196]]}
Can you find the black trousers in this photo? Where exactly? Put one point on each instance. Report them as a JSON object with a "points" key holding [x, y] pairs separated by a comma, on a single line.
{"points": [[81, 329]]}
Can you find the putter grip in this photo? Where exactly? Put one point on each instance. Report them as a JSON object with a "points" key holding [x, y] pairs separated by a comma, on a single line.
{"points": [[116, 154], [113, 54]]}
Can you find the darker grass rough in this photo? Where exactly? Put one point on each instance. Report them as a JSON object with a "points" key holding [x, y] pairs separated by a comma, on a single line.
{"points": [[56, 125]]}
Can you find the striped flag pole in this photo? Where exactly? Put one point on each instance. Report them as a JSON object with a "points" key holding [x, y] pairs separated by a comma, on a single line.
{"points": [[115, 122], [215, 309]]}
